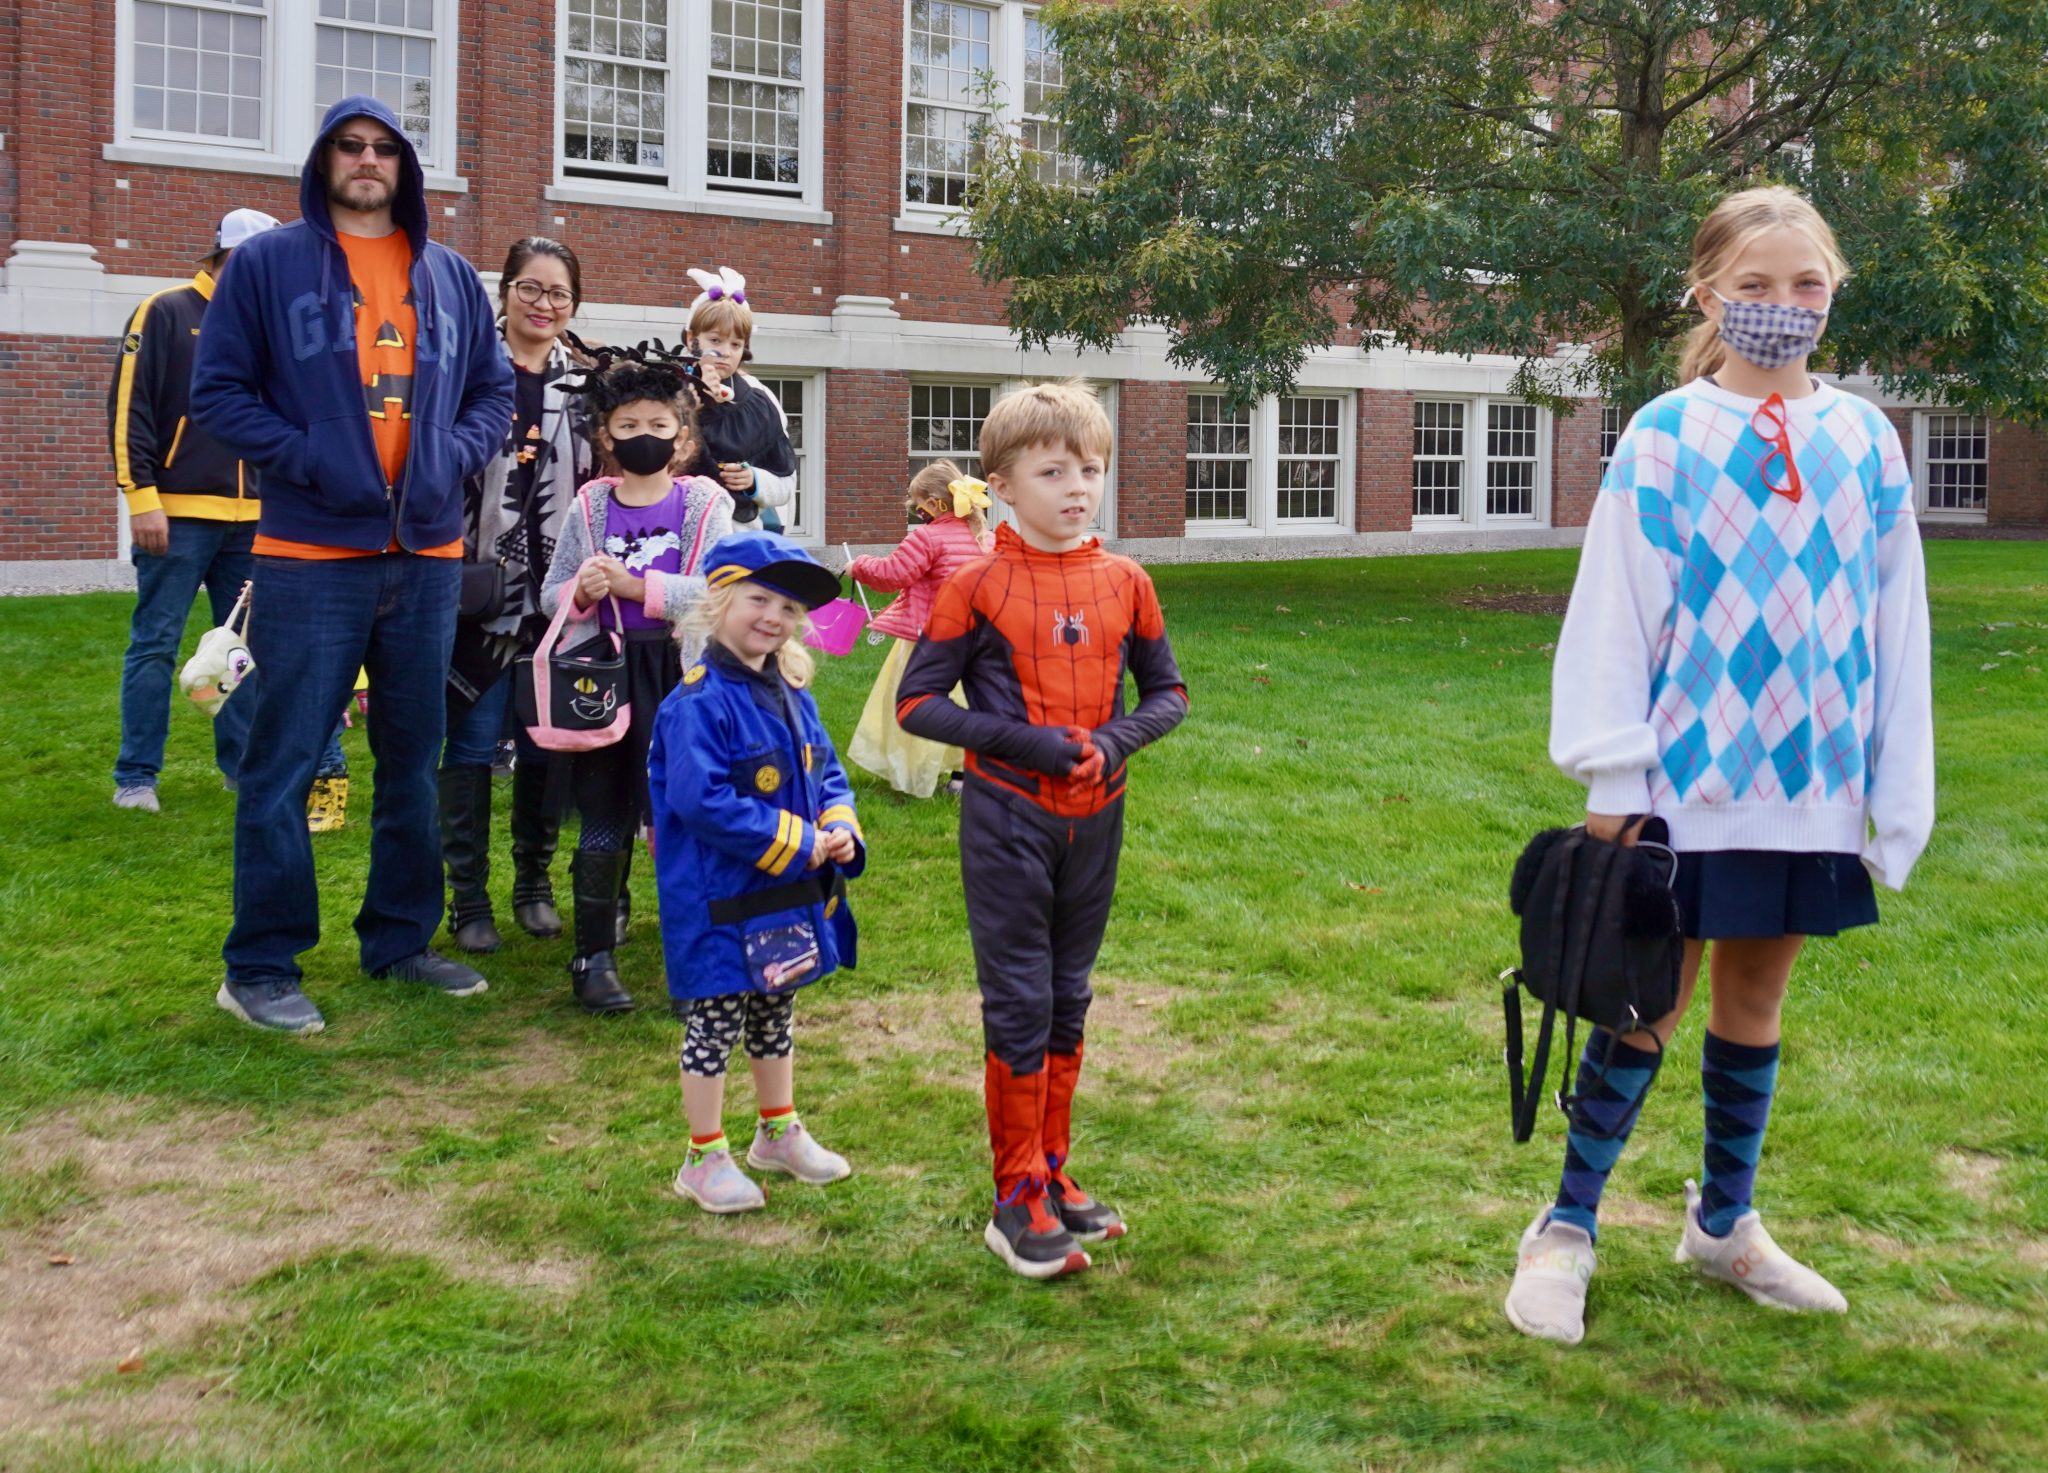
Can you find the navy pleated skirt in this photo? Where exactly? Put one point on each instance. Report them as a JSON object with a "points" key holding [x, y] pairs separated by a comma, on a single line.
{"points": [[1744, 894]]}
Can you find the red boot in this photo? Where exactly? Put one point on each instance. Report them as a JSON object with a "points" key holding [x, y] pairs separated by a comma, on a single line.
{"points": [[1023, 1231], [1087, 1219]]}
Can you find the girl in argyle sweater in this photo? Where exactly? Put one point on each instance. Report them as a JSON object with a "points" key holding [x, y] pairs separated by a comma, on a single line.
{"points": [[1745, 657]]}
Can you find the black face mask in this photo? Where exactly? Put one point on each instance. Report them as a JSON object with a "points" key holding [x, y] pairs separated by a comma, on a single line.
{"points": [[644, 455]]}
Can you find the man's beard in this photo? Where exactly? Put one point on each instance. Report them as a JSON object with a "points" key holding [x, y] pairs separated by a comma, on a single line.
{"points": [[350, 195]]}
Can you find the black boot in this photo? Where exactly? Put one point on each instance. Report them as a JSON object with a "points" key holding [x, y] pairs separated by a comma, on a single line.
{"points": [[466, 851], [594, 876], [534, 831], [625, 893]]}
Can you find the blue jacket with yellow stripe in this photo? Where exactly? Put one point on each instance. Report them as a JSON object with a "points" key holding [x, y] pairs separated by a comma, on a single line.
{"points": [[742, 776]]}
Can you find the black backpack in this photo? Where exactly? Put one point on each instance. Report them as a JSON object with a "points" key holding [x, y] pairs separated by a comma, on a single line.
{"points": [[1601, 943]]}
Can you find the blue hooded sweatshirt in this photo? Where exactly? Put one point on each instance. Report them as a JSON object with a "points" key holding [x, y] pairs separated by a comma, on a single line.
{"points": [[277, 382]]}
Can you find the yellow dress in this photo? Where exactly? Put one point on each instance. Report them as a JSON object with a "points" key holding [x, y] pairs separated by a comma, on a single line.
{"points": [[909, 764]]}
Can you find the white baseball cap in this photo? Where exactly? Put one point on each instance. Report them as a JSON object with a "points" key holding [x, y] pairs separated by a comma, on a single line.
{"points": [[237, 226]]}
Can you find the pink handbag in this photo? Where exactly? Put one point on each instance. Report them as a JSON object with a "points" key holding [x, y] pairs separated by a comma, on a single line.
{"points": [[575, 700]]}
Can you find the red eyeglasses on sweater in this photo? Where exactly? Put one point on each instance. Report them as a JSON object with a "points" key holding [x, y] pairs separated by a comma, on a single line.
{"points": [[1770, 424]]}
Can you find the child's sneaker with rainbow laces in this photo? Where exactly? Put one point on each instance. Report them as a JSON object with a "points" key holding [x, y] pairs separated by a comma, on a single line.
{"points": [[1748, 1259], [1028, 1235], [1088, 1220], [713, 1182], [794, 1151]]}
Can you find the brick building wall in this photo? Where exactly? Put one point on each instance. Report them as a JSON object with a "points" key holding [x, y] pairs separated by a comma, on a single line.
{"points": [[859, 298]]}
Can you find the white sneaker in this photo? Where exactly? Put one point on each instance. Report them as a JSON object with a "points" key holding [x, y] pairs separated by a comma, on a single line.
{"points": [[1548, 1297], [1748, 1259], [137, 795]]}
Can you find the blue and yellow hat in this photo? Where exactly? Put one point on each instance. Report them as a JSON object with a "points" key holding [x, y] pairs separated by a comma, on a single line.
{"points": [[772, 560]]}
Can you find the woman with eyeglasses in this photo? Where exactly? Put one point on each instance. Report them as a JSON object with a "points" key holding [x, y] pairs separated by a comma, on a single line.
{"points": [[1745, 659], [514, 509]]}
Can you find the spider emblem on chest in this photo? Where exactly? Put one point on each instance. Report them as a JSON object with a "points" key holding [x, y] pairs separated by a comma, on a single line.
{"points": [[1070, 628]]}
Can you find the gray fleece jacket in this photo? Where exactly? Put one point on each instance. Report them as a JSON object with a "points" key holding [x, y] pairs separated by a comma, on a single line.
{"points": [[669, 595]]}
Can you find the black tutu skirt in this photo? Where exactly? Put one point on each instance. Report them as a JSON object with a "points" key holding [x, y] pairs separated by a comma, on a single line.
{"points": [[1757, 894]]}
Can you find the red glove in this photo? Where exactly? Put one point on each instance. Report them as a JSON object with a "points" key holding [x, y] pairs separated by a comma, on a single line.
{"points": [[1089, 768]]}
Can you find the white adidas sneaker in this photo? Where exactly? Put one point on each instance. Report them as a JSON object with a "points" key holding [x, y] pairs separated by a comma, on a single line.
{"points": [[1748, 1259], [1548, 1297]]}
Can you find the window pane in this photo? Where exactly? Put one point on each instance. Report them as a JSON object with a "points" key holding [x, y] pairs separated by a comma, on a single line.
{"points": [[193, 63], [790, 391], [1511, 460], [1310, 435], [941, 147], [614, 116], [395, 68], [1958, 462], [753, 128], [1219, 463], [1439, 458], [945, 421]]}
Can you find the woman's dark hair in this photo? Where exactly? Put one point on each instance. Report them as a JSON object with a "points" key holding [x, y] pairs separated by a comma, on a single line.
{"points": [[523, 251]]}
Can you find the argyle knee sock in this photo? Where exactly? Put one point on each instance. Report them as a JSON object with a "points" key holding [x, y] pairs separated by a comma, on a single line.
{"points": [[1587, 1158], [1737, 1080]]}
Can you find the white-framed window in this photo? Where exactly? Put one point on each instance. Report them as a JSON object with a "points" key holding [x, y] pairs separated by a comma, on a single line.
{"points": [[244, 83], [1480, 461], [1952, 463], [1280, 463], [692, 100], [802, 397], [945, 424], [1610, 434], [953, 51]]}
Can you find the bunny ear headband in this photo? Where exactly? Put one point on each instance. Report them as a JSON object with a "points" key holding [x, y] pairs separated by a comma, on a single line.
{"points": [[726, 285], [968, 495]]}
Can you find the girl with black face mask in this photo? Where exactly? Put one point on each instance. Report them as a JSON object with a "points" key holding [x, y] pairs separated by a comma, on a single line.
{"points": [[627, 559]]}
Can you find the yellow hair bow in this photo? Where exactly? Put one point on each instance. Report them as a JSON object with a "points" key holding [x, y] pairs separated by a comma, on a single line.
{"points": [[968, 495]]}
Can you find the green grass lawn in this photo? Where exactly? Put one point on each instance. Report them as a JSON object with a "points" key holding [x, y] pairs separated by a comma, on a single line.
{"points": [[440, 1236]]}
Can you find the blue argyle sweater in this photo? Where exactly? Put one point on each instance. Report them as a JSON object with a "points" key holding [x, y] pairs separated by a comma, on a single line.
{"points": [[1749, 666]]}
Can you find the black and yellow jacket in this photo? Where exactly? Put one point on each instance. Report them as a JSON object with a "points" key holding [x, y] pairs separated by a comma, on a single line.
{"points": [[162, 460]]}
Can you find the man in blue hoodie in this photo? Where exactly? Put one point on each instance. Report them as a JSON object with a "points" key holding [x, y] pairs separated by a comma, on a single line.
{"points": [[358, 364]]}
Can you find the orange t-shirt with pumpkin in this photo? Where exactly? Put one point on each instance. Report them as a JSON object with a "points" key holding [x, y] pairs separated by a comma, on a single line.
{"points": [[380, 271]]}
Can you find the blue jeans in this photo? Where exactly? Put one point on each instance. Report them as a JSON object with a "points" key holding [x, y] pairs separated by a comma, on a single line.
{"points": [[215, 554], [473, 739], [315, 624], [231, 735]]}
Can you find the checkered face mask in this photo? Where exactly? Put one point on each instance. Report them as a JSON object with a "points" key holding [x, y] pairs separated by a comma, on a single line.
{"points": [[1767, 334]]}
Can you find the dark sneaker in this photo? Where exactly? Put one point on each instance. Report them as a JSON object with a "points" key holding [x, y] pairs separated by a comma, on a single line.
{"points": [[277, 1005], [1080, 1214], [437, 971], [1026, 1235]]}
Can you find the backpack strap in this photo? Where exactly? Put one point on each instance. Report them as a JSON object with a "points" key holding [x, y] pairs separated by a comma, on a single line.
{"points": [[1525, 1090]]}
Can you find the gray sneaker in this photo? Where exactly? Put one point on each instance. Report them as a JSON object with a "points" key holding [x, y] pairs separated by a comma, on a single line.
{"points": [[795, 1152], [137, 795], [437, 971], [715, 1184], [278, 1005]]}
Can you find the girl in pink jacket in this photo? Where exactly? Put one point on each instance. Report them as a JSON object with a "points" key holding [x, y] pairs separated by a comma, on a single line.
{"points": [[951, 510]]}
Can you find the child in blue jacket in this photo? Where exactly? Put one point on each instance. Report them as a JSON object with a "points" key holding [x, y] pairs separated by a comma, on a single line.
{"points": [[754, 839]]}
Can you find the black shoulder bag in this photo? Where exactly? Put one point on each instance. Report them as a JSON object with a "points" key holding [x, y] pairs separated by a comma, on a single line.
{"points": [[1601, 943]]}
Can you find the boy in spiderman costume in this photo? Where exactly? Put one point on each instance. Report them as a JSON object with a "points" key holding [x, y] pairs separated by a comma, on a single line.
{"points": [[1040, 634]]}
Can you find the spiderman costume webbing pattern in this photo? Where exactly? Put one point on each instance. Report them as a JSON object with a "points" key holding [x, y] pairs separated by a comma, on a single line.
{"points": [[1040, 643]]}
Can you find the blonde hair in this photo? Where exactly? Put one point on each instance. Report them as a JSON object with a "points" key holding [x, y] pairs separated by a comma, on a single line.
{"points": [[699, 627], [1725, 234], [1065, 413], [734, 319], [935, 483]]}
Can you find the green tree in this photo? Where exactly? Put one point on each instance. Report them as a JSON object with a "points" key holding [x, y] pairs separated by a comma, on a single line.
{"points": [[1473, 176]]}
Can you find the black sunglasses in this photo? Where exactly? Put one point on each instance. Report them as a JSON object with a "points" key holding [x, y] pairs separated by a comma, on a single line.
{"points": [[386, 148]]}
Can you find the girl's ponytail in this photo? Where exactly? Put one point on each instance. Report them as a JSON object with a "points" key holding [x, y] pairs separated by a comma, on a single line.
{"points": [[1704, 352]]}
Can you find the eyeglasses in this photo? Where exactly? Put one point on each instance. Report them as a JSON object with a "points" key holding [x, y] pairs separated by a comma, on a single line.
{"points": [[533, 294], [385, 148], [1770, 425]]}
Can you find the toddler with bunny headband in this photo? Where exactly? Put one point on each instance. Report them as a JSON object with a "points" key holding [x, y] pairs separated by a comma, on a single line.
{"points": [[744, 430], [951, 512]]}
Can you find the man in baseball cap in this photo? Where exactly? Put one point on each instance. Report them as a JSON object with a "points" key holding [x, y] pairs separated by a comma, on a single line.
{"points": [[191, 508]]}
